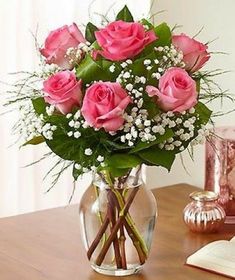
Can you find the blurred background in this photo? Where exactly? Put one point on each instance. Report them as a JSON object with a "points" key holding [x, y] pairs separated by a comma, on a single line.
{"points": [[23, 189]]}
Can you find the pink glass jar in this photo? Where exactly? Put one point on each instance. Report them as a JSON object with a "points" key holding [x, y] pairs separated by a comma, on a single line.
{"points": [[204, 214], [220, 168]]}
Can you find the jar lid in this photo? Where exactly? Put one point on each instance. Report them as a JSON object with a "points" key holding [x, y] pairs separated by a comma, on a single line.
{"points": [[204, 196]]}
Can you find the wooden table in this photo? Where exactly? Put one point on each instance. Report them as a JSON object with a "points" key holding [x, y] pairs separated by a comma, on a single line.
{"points": [[47, 245]]}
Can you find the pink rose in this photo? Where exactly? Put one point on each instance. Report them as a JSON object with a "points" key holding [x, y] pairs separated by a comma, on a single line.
{"points": [[177, 91], [104, 104], [195, 53], [120, 40], [63, 91], [58, 42]]}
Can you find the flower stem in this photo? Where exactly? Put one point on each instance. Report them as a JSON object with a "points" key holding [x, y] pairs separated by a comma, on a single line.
{"points": [[98, 237], [112, 218], [127, 216], [135, 241], [116, 227], [122, 240], [99, 214]]}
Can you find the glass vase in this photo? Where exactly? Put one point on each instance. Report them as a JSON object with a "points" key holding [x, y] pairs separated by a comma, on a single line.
{"points": [[117, 219]]}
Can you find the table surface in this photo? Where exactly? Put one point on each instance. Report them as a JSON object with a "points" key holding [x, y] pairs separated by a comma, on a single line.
{"points": [[47, 244]]}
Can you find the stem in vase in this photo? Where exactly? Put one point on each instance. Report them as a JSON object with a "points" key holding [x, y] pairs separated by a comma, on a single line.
{"points": [[130, 222], [100, 233], [112, 218], [133, 237], [116, 227], [122, 240]]}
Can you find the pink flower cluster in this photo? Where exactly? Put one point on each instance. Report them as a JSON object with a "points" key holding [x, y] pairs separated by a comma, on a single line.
{"points": [[103, 103]]}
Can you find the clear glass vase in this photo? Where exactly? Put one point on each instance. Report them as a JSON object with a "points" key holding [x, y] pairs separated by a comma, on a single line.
{"points": [[117, 220]]}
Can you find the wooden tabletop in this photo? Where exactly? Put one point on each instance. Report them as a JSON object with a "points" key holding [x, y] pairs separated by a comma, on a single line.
{"points": [[47, 245]]}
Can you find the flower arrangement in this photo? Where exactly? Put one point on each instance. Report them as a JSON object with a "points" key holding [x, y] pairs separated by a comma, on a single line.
{"points": [[126, 94]]}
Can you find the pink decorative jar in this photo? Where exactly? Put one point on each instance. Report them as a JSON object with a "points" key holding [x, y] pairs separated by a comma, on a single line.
{"points": [[204, 214], [220, 168]]}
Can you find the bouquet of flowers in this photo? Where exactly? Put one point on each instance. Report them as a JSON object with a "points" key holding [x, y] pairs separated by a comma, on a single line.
{"points": [[126, 94]]}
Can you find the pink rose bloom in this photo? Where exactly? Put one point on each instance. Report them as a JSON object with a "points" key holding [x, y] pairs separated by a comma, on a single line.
{"points": [[195, 53], [104, 104], [58, 42], [63, 91], [177, 91], [120, 40]]}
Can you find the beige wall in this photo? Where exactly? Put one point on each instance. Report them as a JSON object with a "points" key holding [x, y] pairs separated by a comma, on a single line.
{"points": [[218, 20]]}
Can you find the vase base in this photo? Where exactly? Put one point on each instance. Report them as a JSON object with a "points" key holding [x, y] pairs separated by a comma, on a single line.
{"points": [[112, 271]]}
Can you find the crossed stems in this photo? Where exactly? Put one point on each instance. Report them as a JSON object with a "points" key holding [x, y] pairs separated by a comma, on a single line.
{"points": [[117, 205]]}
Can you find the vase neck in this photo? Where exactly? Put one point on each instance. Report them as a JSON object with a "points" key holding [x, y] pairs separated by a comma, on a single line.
{"points": [[133, 178]]}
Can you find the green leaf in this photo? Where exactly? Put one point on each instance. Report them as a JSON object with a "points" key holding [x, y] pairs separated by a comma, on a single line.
{"points": [[150, 105], [204, 112], [76, 173], [90, 32], [146, 23], [90, 70], [164, 35], [118, 172], [123, 161], [64, 146], [114, 145], [125, 15], [138, 66], [35, 141], [39, 105], [156, 156], [160, 138]]}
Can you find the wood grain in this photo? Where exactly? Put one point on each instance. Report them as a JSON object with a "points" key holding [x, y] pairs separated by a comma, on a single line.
{"points": [[47, 244]]}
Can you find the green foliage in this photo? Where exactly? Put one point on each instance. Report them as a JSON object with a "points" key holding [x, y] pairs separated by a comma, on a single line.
{"points": [[204, 112], [120, 164], [113, 146], [125, 15], [117, 172], [146, 23], [90, 32], [145, 145], [156, 156], [90, 70], [151, 106], [198, 85], [62, 145], [35, 141], [76, 173], [164, 35], [138, 66], [123, 161], [39, 105]]}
